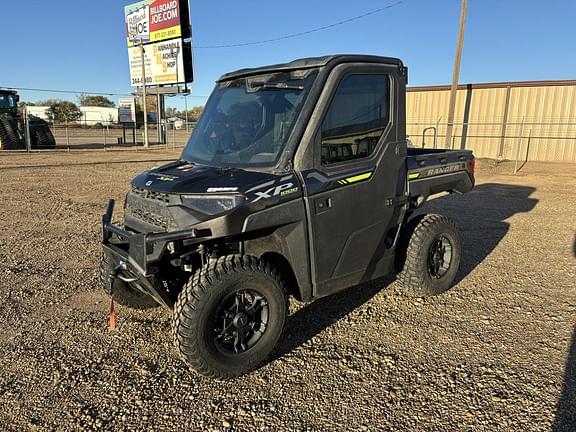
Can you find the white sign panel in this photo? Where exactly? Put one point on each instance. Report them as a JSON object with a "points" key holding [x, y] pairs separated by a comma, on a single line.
{"points": [[156, 20], [126, 110], [138, 24], [164, 63]]}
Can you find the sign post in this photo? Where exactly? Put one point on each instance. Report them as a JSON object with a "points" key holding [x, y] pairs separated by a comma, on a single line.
{"points": [[144, 94], [186, 110], [27, 125]]}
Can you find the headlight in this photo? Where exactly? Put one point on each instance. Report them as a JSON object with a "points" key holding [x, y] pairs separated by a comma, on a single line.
{"points": [[212, 205]]}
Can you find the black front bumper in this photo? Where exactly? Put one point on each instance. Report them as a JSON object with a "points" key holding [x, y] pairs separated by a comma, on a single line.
{"points": [[135, 255]]}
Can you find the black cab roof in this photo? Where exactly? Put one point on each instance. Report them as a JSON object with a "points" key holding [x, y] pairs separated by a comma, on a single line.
{"points": [[311, 62]]}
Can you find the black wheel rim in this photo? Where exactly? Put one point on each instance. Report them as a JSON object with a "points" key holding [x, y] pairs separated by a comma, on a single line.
{"points": [[439, 257], [240, 321]]}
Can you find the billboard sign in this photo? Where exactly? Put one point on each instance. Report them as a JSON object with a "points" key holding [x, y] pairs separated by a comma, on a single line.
{"points": [[167, 62], [138, 24], [126, 110], [156, 20]]}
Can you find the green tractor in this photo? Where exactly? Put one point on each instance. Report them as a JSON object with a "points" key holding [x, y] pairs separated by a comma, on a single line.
{"points": [[13, 129]]}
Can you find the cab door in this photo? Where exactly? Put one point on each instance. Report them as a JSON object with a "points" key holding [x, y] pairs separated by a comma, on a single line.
{"points": [[358, 175]]}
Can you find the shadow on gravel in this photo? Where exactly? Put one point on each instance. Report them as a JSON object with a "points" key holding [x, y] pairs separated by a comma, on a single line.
{"points": [[481, 218], [565, 420], [315, 317]]}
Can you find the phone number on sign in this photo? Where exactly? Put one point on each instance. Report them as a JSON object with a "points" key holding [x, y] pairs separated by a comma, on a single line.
{"points": [[138, 80]]}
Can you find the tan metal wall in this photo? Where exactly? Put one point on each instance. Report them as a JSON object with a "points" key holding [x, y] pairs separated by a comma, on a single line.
{"points": [[537, 120]]}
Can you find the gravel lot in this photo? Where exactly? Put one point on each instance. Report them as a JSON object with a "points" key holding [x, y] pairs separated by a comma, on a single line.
{"points": [[497, 352]]}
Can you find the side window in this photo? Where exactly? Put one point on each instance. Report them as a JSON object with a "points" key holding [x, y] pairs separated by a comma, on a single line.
{"points": [[356, 118]]}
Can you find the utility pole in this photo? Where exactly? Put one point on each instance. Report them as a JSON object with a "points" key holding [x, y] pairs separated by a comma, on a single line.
{"points": [[186, 109], [456, 73], [144, 93], [159, 116], [27, 126]]}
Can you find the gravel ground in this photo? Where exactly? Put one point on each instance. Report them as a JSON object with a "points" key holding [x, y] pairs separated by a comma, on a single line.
{"points": [[496, 352]]}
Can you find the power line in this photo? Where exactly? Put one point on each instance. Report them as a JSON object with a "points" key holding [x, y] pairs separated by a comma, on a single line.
{"points": [[289, 36], [77, 92], [64, 91], [294, 35]]}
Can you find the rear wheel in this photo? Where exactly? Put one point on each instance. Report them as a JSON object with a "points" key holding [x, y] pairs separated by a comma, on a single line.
{"points": [[41, 134], [8, 135], [428, 255], [230, 316], [122, 292]]}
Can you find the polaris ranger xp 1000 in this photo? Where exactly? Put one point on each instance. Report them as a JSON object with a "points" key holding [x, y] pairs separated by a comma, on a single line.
{"points": [[296, 181]]}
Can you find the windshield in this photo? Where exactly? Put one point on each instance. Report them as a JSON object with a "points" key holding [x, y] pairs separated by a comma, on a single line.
{"points": [[7, 101], [247, 121]]}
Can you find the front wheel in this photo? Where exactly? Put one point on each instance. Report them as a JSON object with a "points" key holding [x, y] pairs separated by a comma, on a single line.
{"points": [[428, 255], [230, 316]]}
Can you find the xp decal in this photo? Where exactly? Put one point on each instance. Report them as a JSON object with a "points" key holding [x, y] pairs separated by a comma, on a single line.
{"points": [[282, 190]]}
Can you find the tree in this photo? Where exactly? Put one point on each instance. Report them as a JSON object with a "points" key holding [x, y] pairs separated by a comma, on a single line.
{"points": [[23, 104], [151, 103], [197, 112], [61, 111], [95, 101], [194, 113]]}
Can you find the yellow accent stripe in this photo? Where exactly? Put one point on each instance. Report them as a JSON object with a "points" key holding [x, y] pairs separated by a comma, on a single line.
{"points": [[359, 177], [412, 176]]}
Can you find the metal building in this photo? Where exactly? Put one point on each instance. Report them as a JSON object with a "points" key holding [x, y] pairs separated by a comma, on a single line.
{"points": [[91, 115], [534, 120]]}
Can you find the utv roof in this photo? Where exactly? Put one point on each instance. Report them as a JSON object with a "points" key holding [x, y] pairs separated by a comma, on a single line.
{"points": [[310, 62]]}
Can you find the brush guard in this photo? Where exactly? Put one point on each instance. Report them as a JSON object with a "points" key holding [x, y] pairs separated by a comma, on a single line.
{"points": [[134, 255]]}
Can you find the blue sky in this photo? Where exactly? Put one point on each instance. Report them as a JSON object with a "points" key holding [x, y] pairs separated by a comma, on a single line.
{"points": [[80, 45]]}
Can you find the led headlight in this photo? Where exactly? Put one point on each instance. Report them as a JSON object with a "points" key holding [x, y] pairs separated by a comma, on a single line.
{"points": [[212, 205]]}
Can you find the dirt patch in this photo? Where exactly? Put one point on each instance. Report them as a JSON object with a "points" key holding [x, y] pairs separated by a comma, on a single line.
{"points": [[494, 353]]}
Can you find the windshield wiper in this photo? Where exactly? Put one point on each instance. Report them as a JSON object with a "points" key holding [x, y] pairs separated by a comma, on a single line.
{"points": [[274, 86]]}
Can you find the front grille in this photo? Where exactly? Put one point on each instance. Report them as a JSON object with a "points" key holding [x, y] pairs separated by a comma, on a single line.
{"points": [[154, 196], [151, 208]]}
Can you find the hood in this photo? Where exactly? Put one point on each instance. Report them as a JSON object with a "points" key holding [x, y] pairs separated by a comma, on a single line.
{"points": [[155, 202], [181, 177]]}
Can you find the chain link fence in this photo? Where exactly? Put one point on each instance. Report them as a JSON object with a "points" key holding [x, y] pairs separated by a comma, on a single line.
{"points": [[30, 133], [523, 139]]}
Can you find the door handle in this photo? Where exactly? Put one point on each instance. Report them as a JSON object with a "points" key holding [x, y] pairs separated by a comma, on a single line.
{"points": [[322, 204]]}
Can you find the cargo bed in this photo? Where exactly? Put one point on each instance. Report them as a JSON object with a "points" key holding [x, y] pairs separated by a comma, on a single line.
{"points": [[431, 171]]}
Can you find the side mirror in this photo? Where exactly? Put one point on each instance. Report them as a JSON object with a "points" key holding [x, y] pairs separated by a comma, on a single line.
{"points": [[17, 98]]}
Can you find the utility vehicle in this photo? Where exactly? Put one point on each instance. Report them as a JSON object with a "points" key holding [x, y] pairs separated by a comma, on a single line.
{"points": [[296, 181]]}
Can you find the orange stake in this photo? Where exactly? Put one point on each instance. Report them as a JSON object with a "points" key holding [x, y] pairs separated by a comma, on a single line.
{"points": [[112, 316]]}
